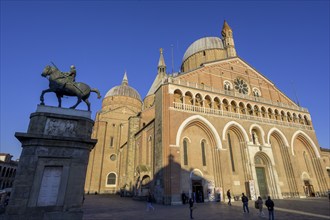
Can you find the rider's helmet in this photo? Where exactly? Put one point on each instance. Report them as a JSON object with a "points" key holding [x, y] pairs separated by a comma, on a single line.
{"points": [[72, 67]]}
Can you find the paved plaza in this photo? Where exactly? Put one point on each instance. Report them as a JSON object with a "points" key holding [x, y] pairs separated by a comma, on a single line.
{"points": [[116, 207]]}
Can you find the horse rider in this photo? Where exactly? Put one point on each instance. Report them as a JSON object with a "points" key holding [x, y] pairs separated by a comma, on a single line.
{"points": [[72, 73], [70, 77]]}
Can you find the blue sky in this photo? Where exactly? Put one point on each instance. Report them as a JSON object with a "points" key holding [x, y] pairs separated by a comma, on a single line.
{"points": [[287, 41]]}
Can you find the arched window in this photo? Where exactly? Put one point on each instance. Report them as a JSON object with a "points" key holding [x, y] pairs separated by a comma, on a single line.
{"points": [[7, 173], [227, 85], [231, 153], [189, 98], [307, 162], [149, 147], [203, 153], [217, 104], [225, 105], [283, 116], [256, 110], [256, 92], [178, 96], [234, 106], [263, 112], [3, 171], [249, 109], [295, 118], [185, 152], [306, 120], [270, 113], [277, 115], [242, 108], [289, 118], [198, 100], [112, 178], [207, 102]]}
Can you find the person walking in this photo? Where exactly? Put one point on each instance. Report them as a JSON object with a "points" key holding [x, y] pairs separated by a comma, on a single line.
{"points": [[270, 206], [229, 197], [260, 206], [149, 201], [183, 198], [245, 202], [191, 207]]}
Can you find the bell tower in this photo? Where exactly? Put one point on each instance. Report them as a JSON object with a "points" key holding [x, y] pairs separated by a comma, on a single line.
{"points": [[161, 63], [228, 40]]}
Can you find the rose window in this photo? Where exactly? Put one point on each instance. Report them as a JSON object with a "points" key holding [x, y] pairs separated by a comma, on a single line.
{"points": [[241, 86]]}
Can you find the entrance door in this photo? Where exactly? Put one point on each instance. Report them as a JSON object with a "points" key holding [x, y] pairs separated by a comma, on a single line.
{"points": [[197, 189], [262, 183], [309, 189]]}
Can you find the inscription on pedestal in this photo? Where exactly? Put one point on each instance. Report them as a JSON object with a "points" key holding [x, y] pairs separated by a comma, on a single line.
{"points": [[50, 185], [60, 127]]}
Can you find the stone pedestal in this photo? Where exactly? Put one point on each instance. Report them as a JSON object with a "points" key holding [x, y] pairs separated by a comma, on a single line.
{"points": [[50, 178]]}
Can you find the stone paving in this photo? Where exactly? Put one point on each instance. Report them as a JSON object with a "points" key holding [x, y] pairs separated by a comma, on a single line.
{"points": [[116, 208]]}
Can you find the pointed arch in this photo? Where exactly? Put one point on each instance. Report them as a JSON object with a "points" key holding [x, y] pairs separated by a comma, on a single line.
{"points": [[280, 133], [264, 157], [262, 160], [208, 124], [261, 131], [234, 123], [296, 134], [196, 173], [305, 176]]}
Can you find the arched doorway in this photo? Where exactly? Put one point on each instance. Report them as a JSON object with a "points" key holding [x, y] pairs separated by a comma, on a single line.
{"points": [[308, 187], [197, 186], [260, 166], [145, 185]]}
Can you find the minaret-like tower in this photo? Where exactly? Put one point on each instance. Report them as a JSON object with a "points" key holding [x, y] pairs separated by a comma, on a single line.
{"points": [[228, 40], [161, 63], [125, 80]]}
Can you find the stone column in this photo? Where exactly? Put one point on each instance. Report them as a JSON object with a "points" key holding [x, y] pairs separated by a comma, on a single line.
{"points": [[51, 173]]}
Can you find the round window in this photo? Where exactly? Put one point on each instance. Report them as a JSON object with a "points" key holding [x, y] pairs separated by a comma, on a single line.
{"points": [[113, 157], [241, 86]]}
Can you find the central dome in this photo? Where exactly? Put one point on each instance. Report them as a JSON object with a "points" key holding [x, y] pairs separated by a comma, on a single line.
{"points": [[201, 44], [123, 90]]}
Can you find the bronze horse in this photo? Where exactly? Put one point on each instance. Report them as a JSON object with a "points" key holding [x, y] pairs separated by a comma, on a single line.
{"points": [[62, 86]]}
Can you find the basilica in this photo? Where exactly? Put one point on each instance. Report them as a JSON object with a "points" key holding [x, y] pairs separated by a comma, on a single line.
{"points": [[218, 124]]}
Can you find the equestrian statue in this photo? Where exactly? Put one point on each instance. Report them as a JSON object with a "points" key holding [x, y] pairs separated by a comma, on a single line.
{"points": [[64, 84]]}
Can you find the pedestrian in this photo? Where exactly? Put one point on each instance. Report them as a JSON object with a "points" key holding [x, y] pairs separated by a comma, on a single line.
{"points": [[149, 201], [229, 197], [191, 207], [183, 197], [245, 202], [270, 206], [260, 206]]}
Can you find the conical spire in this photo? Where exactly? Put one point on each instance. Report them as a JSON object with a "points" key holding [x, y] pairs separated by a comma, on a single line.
{"points": [[161, 62], [225, 29], [160, 75], [125, 80], [228, 39]]}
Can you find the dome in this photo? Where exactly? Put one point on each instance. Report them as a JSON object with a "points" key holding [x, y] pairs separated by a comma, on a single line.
{"points": [[203, 44], [123, 90]]}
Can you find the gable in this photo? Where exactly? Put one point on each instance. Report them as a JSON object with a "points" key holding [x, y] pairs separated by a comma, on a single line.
{"points": [[216, 74]]}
